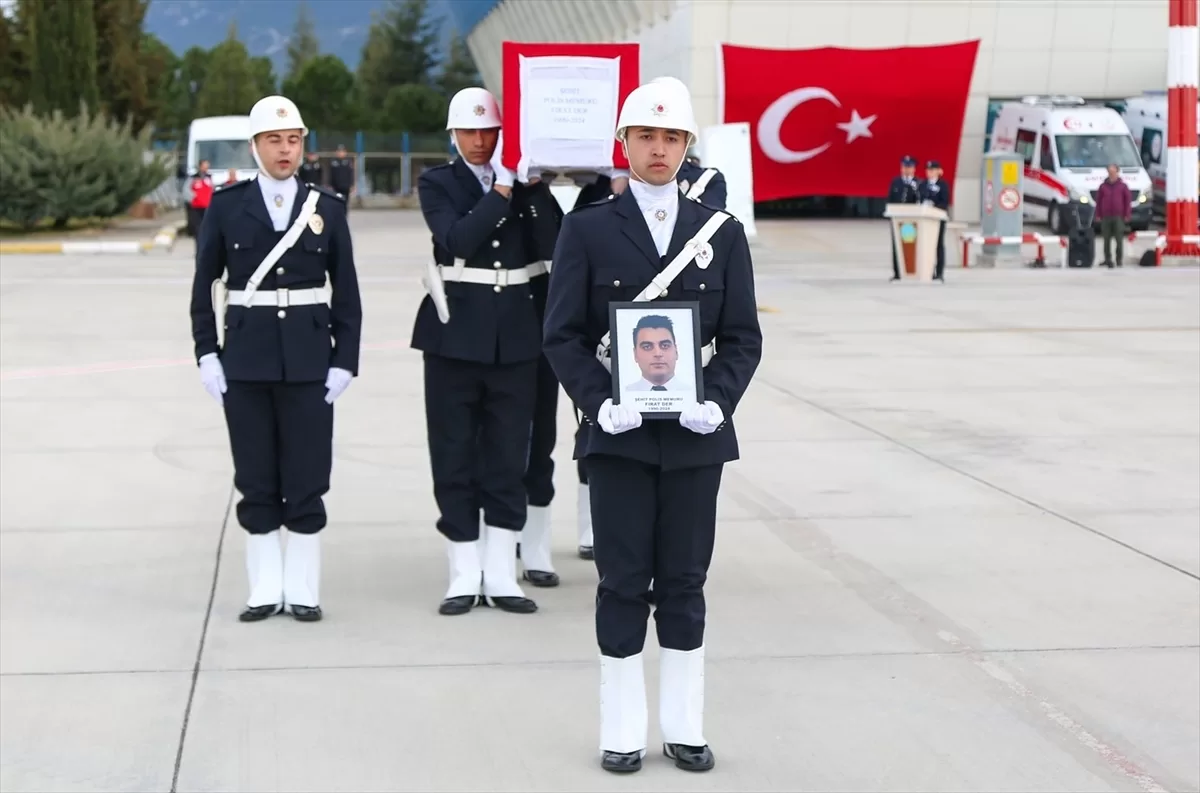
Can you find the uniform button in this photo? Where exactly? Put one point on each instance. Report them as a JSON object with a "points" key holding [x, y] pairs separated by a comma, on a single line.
{"points": [[318, 250], [279, 271], [495, 243], [497, 265], [281, 314], [701, 287], [496, 288], [616, 283], [236, 246], [520, 214]]}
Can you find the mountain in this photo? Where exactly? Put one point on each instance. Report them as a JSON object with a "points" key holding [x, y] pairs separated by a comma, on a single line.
{"points": [[264, 25]]}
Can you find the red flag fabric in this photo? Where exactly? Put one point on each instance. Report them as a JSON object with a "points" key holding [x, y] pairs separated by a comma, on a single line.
{"points": [[835, 121], [510, 61]]}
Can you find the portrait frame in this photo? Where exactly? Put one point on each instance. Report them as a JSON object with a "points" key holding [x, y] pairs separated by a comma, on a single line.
{"points": [[631, 384]]}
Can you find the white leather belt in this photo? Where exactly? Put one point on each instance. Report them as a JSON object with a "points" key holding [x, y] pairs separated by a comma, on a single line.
{"points": [[460, 273], [282, 298]]}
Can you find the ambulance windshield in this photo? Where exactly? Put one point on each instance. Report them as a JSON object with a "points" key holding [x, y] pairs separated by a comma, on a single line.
{"points": [[223, 155], [1097, 151]]}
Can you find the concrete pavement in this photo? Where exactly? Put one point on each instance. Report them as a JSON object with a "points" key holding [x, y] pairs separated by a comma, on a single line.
{"points": [[961, 550]]}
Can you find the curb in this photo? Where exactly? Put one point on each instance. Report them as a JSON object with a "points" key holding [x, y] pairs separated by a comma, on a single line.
{"points": [[165, 239]]}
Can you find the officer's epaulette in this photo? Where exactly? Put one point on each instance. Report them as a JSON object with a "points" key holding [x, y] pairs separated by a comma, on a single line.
{"points": [[590, 204], [327, 191], [717, 210], [224, 188]]}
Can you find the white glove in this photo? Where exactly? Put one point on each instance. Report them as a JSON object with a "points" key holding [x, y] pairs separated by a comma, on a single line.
{"points": [[701, 419], [212, 375], [504, 177], [615, 419], [337, 381]]}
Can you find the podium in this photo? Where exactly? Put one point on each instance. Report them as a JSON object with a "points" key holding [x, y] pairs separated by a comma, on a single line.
{"points": [[915, 234]]}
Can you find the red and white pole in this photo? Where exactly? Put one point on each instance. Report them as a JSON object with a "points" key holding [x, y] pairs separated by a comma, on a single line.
{"points": [[1183, 172]]}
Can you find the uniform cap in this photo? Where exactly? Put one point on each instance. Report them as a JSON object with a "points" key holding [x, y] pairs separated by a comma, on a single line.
{"points": [[907, 160], [273, 114], [473, 108], [933, 164], [660, 105]]}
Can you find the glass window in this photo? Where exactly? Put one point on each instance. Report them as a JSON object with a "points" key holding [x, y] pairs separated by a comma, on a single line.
{"points": [[1097, 151], [223, 155], [1047, 156], [1025, 144]]}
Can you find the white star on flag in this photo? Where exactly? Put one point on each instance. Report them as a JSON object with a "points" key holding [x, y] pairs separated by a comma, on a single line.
{"points": [[857, 126]]}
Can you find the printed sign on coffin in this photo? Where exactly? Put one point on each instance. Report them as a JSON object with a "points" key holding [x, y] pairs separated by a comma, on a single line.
{"points": [[561, 103]]}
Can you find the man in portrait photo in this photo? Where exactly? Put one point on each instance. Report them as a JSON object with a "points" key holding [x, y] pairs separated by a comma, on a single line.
{"points": [[656, 354]]}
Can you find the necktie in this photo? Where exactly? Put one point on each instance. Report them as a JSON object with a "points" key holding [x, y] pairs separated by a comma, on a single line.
{"points": [[658, 388]]}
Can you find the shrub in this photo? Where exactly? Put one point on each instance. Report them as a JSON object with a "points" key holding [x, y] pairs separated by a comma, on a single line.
{"points": [[62, 168]]}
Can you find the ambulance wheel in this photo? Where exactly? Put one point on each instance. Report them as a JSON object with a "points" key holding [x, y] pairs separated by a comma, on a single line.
{"points": [[1054, 219]]}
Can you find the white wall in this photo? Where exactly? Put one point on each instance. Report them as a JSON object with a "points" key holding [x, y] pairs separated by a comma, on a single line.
{"points": [[1093, 48]]}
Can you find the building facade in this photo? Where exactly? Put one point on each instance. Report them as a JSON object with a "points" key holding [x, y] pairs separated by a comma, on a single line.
{"points": [[1100, 50]]}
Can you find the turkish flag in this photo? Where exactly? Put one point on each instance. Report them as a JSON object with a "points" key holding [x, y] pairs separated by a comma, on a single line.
{"points": [[834, 121]]}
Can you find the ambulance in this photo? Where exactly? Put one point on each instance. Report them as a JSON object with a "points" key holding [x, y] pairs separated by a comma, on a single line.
{"points": [[225, 142], [1146, 117], [1067, 146]]}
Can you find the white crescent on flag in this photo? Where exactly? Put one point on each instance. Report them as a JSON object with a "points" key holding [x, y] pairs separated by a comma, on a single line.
{"points": [[771, 121]]}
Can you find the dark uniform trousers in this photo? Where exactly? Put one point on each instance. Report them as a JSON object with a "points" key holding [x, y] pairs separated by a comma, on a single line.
{"points": [[276, 360], [938, 194], [653, 490], [481, 368]]}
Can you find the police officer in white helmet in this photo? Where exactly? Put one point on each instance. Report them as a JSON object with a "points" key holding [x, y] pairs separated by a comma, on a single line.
{"points": [[653, 486], [276, 347], [480, 332], [706, 185]]}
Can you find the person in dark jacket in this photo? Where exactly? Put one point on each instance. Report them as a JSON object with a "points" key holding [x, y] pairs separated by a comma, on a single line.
{"points": [[936, 193], [1114, 208], [902, 190]]}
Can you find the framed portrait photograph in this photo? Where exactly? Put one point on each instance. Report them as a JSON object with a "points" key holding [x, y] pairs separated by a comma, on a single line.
{"points": [[655, 353]]}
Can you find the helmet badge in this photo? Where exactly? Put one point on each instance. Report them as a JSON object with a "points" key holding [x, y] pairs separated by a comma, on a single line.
{"points": [[281, 112], [478, 110], [659, 109]]}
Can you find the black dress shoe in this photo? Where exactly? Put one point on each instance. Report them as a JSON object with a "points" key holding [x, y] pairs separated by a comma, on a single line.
{"points": [[257, 613], [541, 578], [517, 605], [690, 758], [621, 762], [306, 613], [586, 552], [458, 605]]}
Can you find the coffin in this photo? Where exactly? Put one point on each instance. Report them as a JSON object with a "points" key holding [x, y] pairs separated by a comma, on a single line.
{"points": [[560, 104]]}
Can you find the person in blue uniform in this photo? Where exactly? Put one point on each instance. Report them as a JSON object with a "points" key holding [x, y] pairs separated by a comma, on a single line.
{"points": [[935, 192], [479, 329], [653, 485], [902, 190], [706, 185], [276, 349]]}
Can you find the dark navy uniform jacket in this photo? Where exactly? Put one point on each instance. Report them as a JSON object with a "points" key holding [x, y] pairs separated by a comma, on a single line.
{"points": [[260, 344], [488, 231], [902, 192], [715, 192], [937, 193], [605, 253]]}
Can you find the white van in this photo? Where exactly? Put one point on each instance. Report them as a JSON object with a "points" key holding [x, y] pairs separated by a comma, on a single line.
{"points": [[1146, 117], [1067, 146], [225, 142]]}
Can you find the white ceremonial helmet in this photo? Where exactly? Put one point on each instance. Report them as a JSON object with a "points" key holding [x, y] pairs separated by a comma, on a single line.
{"points": [[473, 108], [273, 114], [658, 104], [671, 81]]}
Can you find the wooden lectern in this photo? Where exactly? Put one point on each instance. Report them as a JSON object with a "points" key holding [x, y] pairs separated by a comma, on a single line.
{"points": [[915, 235]]}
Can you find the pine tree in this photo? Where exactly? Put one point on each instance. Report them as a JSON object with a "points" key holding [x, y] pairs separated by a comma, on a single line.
{"points": [[62, 55], [121, 71], [14, 71], [458, 70], [230, 85], [303, 45]]}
